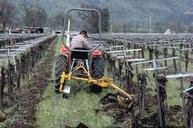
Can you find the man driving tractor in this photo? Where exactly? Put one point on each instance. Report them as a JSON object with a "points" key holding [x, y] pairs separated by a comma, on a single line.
{"points": [[80, 41]]}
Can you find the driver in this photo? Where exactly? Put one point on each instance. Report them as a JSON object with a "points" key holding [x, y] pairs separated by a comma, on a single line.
{"points": [[80, 41]]}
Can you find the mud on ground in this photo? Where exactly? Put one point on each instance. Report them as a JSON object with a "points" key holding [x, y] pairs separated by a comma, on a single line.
{"points": [[27, 100], [127, 115]]}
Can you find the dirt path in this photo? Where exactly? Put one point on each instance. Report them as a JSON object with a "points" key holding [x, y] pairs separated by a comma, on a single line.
{"points": [[31, 96]]}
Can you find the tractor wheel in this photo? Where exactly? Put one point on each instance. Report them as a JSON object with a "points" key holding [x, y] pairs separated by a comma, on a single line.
{"points": [[61, 66], [97, 72]]}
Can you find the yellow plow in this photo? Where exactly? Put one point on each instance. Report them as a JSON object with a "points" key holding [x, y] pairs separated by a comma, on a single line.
{"points": [[104, 82]]}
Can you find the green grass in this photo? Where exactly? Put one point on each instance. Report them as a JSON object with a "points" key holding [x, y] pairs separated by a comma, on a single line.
{"points": [[57, 112]]}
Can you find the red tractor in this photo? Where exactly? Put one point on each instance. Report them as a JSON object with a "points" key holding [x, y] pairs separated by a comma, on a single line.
{"points": [[81, 63]]}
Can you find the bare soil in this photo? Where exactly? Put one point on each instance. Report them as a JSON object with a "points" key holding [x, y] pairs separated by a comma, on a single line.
{"points": [[128, 115], [32, 95]]}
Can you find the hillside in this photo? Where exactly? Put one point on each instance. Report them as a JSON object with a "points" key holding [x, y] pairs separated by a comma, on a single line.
{"points": [[124, 10]]}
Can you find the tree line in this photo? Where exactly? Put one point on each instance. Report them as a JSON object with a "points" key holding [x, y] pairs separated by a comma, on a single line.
{"points": [[31, 15], [35, 16]]}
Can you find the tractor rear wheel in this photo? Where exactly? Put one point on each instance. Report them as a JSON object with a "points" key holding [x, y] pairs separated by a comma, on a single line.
{"points": [[61, 66], [97, 72]]}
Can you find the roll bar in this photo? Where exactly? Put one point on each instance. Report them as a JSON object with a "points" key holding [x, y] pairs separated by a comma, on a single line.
{"points": [[83, 9]]}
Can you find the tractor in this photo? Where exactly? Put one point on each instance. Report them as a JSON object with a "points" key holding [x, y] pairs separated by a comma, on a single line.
{"points": [[82, 65]]}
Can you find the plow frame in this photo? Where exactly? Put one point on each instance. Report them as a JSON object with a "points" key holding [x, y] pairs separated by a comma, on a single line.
{"points": [[103, 82]]}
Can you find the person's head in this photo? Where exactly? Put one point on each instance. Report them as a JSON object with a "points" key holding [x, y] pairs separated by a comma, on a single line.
{"points": [[84, 33]]}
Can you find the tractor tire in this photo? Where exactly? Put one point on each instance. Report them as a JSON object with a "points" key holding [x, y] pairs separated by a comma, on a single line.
{"points": [[61, 66], [97, 72]]}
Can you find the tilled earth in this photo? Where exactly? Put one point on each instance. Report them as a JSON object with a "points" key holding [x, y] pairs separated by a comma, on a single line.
{"points": [[32, 95], [126, 115]]}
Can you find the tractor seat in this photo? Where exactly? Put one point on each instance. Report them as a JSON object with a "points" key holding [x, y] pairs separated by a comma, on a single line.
{"points": [[79, 53]]}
